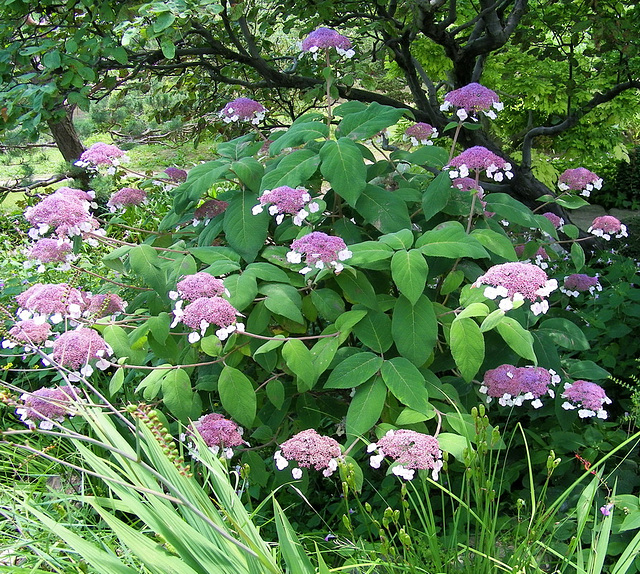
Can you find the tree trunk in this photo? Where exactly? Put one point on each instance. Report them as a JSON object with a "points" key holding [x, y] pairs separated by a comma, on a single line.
{"points": [[66, 137]]}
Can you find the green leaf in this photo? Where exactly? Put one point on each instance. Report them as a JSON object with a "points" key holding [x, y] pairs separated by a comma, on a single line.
{"points": [[368, 122], [365, 408], [474, 310], [467, 346], [299, 359], [506, 207], [343, 167], [354, 371], [436, 196], [346, 321], [402, 239], [414, 329], [152, 383], [214, 254], [382, 209], [117, 338], [168, 48], [178, 396], [237, 395], [328, 303], [357, 289], [116, 382], [369, 252], [577, 256], [243, 288], [374, 331], [565, 333], [410, 417], [517, 337], [429, 156], [237, 148], [283, 300], [144, 261], [293, 170], [159, 326], [571, 201], [450, 240], [275, 393], [249, 171], [52, 59], [587, 370], [323, 352], [245, 232], [299, 134], [492, 320], [163, 21], [267, 272], [452, 281], [406, 383], [211, 346], [292, 550], [454, 444], [199, 181], [409, 271], [496, 243]]}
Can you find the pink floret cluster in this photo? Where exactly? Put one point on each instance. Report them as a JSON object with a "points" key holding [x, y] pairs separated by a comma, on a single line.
{"points": [[589, 398], [76, 349], [579, 179], [205, 311], [580, 283], [478, 159], [45, 406], [243, 110], [512, 386], [176, 174], [410, 450], [420, 133], [513, 282], [218, 433], [556, 220], [285, 200], [102, 154], [201, 284], [126, 196], [49, 250], [308, 449], [28, 333], [606, 225], [324, 38], [208, 210], [471, 99], [320, 251]]}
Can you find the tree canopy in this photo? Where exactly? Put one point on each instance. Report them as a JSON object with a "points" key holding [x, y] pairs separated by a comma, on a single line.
{"points": [[556, 64]]}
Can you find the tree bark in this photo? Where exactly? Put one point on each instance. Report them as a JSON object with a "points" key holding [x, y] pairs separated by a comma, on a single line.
{"points": [[68, 142]]}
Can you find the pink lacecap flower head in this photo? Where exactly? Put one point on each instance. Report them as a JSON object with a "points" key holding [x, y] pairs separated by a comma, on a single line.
{"points": [[55, 301], [77, 348], [49, 250], [324, 38], [63, 213], [410, 450], [103, 305], [101, 154], [46, 406], [309, 450], [478, 159], [579, 283], [80, 194], [126, 196], [30, 333], [201, 284], [208, 210], [243, 110], [219, 433], [579, 179], [471, 99], [175, 174], [285, 200], [606, 225], [556, 220], [320, 250], [516, 282], [468, 184], [205, 311], [420, 133], [514, 385], [589, 398]]}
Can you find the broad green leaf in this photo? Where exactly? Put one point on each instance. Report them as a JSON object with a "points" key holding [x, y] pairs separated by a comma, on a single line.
{"points": [[293, 170], [211, 346], [328, 303], [343, 167], [374, 331], [577, 256], [428, 156], [571, 201], [118, 339], [299, 359], [587, 370], [243, 289], [346, 321], [168, 48], [235, 149], [365, 408], [199, 181], [163, 21], [249, 171], [245, 232], [216, 253], [414, 329], [152, 383], [178, 396], [271, 345], [410, 417], [436, 196], [267, 272], [275, 393], [144, 261], [382, 209], [506, 207], [474, 310], [492, 320], [450, 240], [369, 252], [406, 383], [467, 346], [517, 337], [354, 371], [283, 300], [402, 239], [357, 289], [323, 353], [496, 243], [116, 382], [452, 281], [409, 271], [159, 326], [454, 444], [565, 333], [299, 134], [237, 395], [368, 122]]}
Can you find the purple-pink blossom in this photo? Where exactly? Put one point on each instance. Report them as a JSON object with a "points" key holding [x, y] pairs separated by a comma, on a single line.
{"points": [[63, 213], [285, 200], [201, 284], [606, 509], [320, 251], [205, 311], [243, 110], [101, 154], [80, 194], [30, 332], [176, 174], [103, 305], [471, 99], [468, 184], [325, 38], [51, 300], [556, 220], [579, 179], [420, 133], [589, 398], [518, 281], [606, 225], [48, 250], [308, 449], [410, 450], [478, 159], [46, 406], [126, 196], [77, 348], [218, 433], [208, 210], [514, 385], [579, 283]]}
